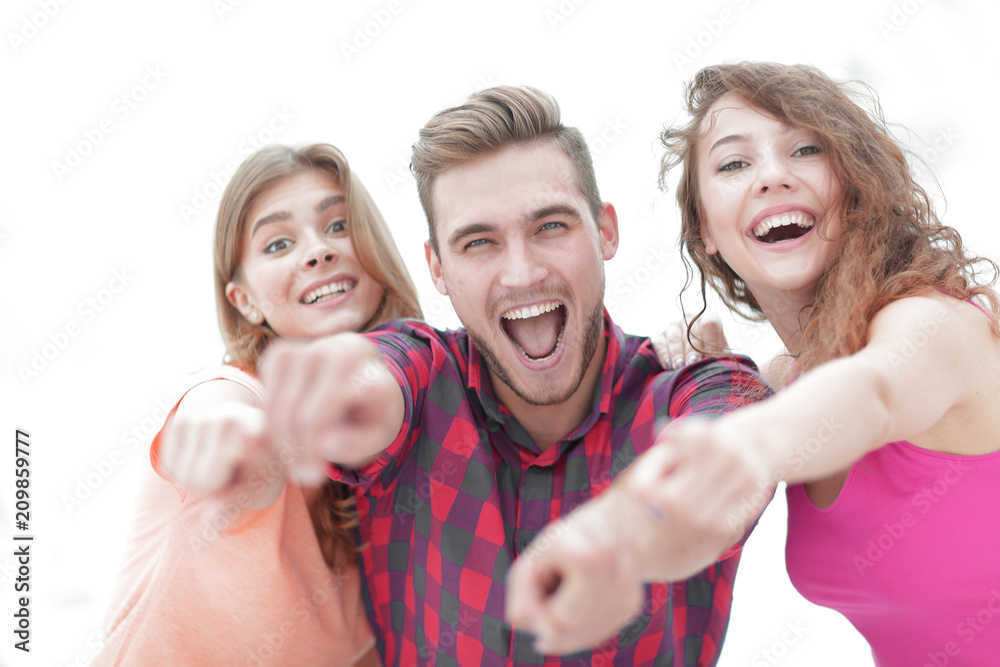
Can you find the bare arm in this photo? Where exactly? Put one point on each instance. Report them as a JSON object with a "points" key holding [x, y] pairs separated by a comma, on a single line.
{"points": [[581, 579], [909, 375], [333, 399], [214, 444], [914, 370]]}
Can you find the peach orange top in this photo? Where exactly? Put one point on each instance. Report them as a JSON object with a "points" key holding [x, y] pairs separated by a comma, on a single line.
{"points": [[238, 587]]}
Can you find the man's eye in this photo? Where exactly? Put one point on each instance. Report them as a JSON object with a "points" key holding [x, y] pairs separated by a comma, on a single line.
{"points": [[476, 244], [276, 246], [551, 225]]}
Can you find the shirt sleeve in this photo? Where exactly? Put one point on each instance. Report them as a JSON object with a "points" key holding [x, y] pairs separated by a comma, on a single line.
{"points": [[414, 353], [715, 386]]}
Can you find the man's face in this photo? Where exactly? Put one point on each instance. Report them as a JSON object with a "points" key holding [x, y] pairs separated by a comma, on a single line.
{"points": [[521, 257]]}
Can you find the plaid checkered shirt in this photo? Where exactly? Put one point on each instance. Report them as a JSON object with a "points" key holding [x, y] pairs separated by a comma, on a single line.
{"points": [[446, 508]]}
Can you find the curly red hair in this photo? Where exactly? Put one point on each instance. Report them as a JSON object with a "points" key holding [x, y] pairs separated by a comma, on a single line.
{"points": [[893, 245]]}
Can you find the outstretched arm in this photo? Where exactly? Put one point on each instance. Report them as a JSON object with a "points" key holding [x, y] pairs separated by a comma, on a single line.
{"points": [[333, 399], [214, 443], [581, 579], [913, 370], [922, 360]]}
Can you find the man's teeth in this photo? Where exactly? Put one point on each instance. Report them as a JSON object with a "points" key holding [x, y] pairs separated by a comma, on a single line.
{"points": [[530, 311], [782, 219], [325, 290]]}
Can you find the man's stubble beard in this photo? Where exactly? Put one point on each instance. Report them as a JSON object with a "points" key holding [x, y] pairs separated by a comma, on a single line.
{"points": [[591, 339]]}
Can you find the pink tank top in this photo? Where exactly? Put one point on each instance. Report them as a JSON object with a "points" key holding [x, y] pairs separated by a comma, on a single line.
{"points": [[909, 552]]}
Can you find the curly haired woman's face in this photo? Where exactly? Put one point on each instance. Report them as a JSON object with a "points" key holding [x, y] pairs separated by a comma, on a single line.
{"points": [[769, 200], [298, 269]]}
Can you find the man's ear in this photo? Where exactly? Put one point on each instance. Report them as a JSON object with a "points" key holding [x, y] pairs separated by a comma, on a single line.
{"points": [[608, 231], [434, 265], [241, 301]]}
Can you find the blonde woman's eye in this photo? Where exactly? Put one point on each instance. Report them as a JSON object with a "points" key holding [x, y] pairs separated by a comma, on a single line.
{"points": [[337, 227], [277, 246], [732, 165], [808, 150]]}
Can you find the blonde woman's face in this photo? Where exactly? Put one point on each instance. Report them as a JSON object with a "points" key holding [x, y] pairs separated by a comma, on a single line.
{"points": [[299, 271]]}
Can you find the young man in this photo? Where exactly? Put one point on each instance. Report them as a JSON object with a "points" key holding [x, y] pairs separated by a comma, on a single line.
{"points": [[466, 443]]}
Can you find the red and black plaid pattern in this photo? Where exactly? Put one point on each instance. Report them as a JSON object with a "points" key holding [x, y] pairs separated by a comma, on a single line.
{"points": [[448, 506]]}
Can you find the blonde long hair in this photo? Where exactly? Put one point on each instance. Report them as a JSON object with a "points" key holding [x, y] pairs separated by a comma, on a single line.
{"points": [[333, 512]]}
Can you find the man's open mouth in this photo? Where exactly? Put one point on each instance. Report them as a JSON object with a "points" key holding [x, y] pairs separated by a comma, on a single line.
{"points": [[536, 331]]}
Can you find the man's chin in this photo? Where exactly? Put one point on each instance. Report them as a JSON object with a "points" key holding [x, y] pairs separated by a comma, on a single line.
{"points": [[547, 387], [544, 396]]}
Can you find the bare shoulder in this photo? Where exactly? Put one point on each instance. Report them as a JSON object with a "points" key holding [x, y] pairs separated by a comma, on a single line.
{"points": [[931, 309], [963, 351], [215, 392], [935, 321]]}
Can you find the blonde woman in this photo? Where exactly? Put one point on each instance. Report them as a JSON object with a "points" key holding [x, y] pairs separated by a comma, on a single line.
{"points": [[231, 560]]}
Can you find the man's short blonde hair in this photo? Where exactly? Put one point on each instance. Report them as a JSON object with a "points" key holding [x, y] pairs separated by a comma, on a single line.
{"points": [[490, 120]]}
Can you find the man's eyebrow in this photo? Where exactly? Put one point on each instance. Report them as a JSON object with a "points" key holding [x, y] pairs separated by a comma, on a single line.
{"points": [[468, 230], [555, 209], [278, 216], [328, 202], [534, 216]]}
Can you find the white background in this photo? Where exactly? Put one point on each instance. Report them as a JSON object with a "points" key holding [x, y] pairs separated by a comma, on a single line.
{"points": [[79, 380]]}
